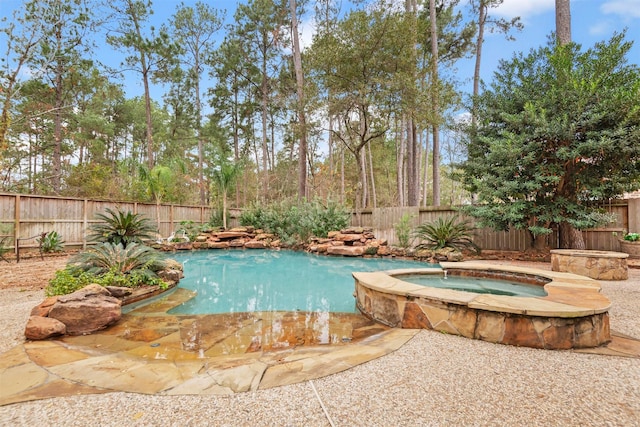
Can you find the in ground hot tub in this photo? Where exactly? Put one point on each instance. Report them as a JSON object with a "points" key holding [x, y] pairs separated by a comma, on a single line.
{"points": [[572, 314]]}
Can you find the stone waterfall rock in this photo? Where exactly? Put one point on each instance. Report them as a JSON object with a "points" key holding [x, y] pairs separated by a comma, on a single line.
{"points": [[87, 310]]}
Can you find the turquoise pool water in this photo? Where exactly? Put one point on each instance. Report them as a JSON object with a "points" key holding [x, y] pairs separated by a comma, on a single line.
{"points": [[233, 281], [477, 285]]}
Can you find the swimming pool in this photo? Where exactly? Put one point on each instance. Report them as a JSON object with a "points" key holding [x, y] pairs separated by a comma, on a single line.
{"points": [[235, 281]]}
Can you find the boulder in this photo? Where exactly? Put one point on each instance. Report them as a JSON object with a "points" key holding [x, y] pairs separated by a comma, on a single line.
{"points": [[169, 275], [183, 246], [346, 250], [119, 291], [44, 307], [41, 328], [351, 237], [265, 236], [228, 235], [218, 245], [237, 243], [384, 250], [255, 244], [87, 310]]}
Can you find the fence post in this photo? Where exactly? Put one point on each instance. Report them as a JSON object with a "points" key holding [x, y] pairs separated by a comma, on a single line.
{"points": [[633, 205], [16, 224]]}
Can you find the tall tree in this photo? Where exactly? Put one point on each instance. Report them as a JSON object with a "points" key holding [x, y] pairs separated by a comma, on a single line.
{"points": [[487, 22], [300, 104], [359, 64], [260, 28], [23, 34], [149, 54], [435, 109], [558, 133], [195, 29], [66, 25]]}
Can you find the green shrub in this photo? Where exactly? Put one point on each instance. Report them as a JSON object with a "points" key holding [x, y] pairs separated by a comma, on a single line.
{"points": [[448, 232], [118, 227], [403, 231], [295, 222], [632, 237], [215, 219], [68, 280], [51, 242]]}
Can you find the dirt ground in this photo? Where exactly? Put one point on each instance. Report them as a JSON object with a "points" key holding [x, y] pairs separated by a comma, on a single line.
{"points": [[30, 273]]}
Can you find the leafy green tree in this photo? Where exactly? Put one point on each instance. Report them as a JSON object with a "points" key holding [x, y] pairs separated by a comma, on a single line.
{"points": [[150, 55], [22, 34], [359, 64], [194, 29], [66, 26], [261, 34], [558, 132]]}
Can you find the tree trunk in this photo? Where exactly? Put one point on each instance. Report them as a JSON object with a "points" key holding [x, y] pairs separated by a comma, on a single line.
{"points": [[56, 161], [476, 72], [413, 172], [364, 185], [265, 147], [196, 67], [297, 62], [434, 103], [373, 182], [563, 21], [400, 149], [570, 238]]}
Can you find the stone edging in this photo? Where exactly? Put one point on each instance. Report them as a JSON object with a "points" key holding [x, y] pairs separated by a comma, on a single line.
{"points": [[574, 314]]}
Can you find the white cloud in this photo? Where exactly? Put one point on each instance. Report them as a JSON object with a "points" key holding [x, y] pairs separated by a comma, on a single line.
{"points": [[524, 8], [307, 29], [624, 8], [602, 27]]}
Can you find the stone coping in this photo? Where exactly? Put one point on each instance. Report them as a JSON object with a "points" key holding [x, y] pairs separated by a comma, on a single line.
{"points": [[149, 351], [589, 253], [568, 295]]}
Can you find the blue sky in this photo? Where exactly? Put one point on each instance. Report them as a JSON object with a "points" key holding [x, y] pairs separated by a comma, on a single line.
{"points": [[592, 21]]}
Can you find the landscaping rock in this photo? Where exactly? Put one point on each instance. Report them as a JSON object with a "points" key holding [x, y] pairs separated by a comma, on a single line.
{"points": [[44, 307], [346, 250], [255, 244], [41, 328], [119, 291], [90, 309], [226, 235], [218, 245]]}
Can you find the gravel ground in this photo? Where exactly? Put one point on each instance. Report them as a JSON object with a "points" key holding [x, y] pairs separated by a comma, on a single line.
{"points": [[433, 380]]}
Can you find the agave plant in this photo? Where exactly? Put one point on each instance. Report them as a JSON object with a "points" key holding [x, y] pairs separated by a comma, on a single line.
{"points": [[125, 228], [448, 232], [108, 257]]}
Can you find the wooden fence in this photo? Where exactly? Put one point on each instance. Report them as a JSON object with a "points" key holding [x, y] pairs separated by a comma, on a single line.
{"points": [[24, 217], [383, 221]]}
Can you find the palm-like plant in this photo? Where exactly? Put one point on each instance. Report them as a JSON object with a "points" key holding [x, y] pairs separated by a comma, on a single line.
{"points": [[224, 177], [125, 228], [448, 232], [105, 257]]}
